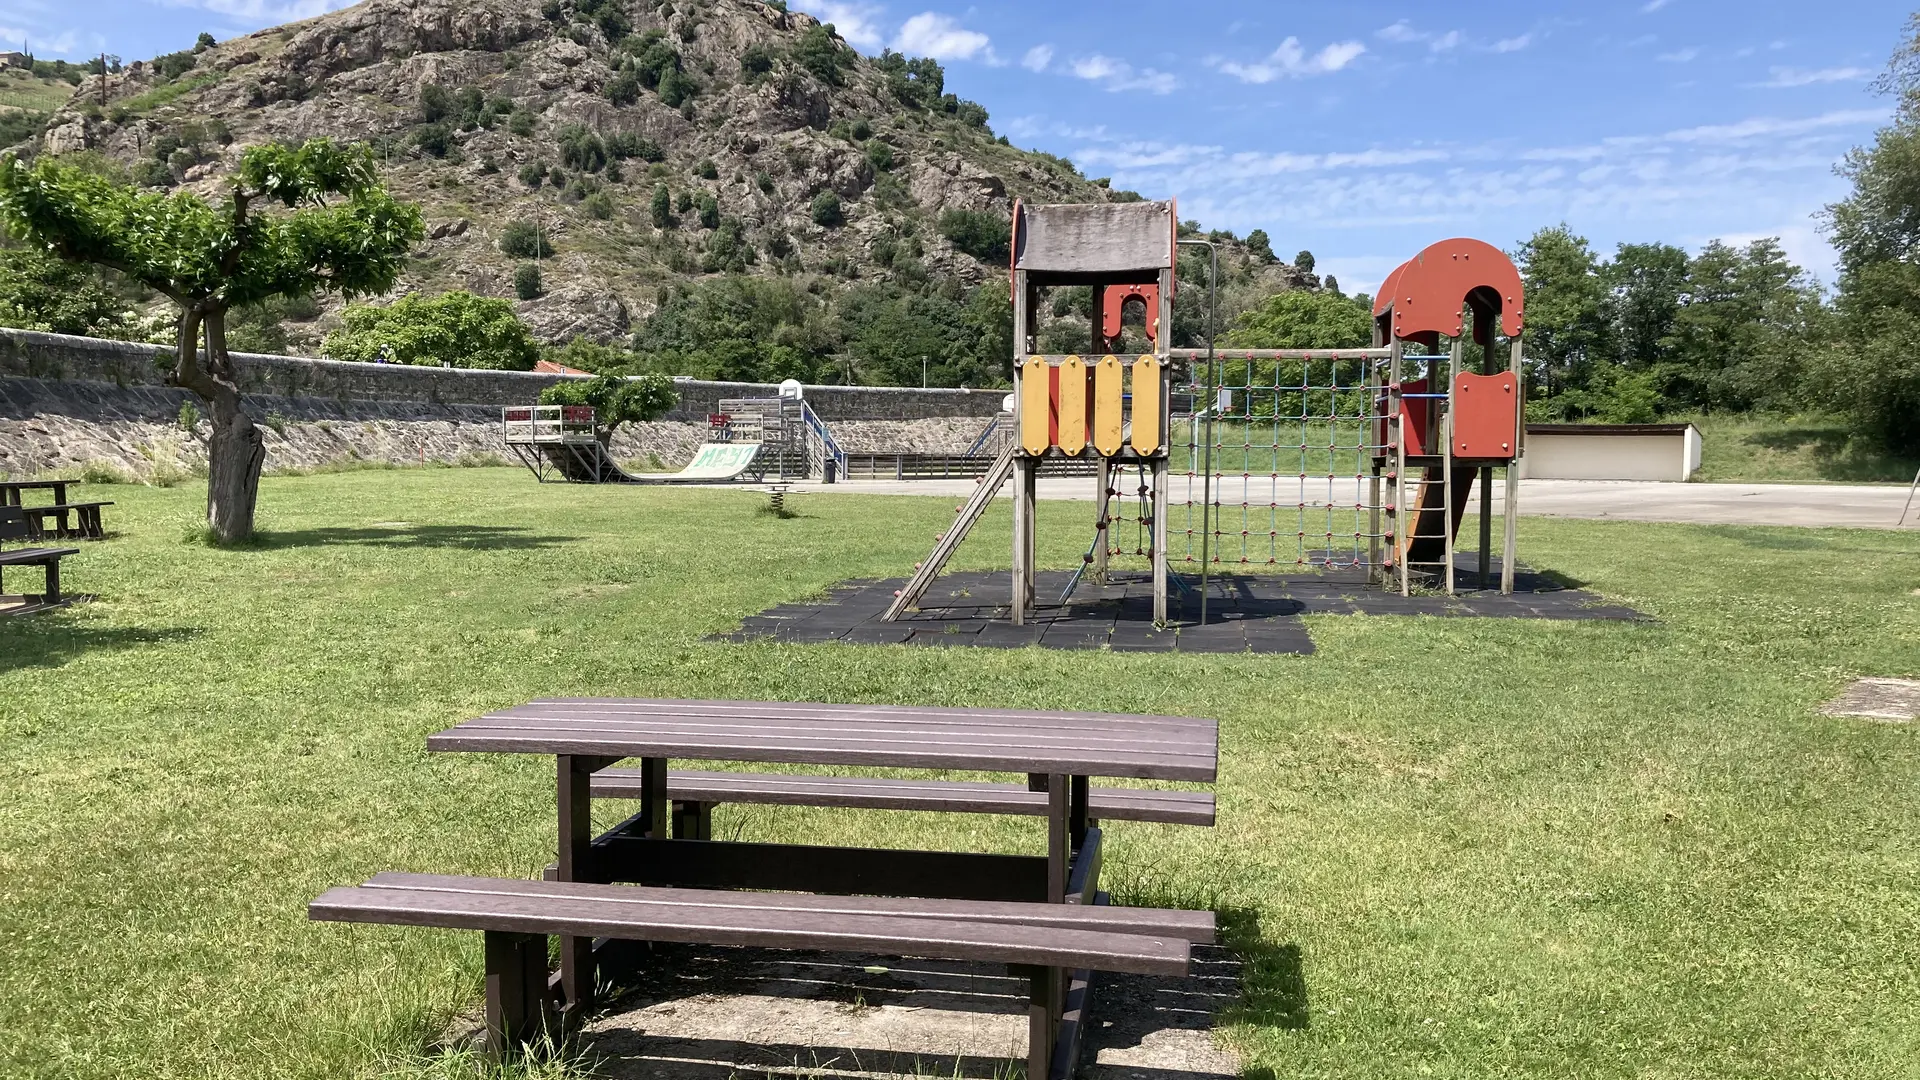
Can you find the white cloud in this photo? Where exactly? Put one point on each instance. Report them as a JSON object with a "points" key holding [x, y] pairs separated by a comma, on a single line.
{"points": [[855, 22], [1446, 41], [1119, 75], [1513, 44], [266, 12], [1292, 61], [932, 34], [1402, 31], [1652, 6], [1037, 58], [1679, 56], [1790, 77]]}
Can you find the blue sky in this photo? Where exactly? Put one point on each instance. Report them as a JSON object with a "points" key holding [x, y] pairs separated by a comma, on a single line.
{"points": [[1363, 130]]}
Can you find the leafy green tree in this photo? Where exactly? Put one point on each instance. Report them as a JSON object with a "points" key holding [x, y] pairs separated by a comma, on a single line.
{"points": [[1304, 261], [1746, 322], [660, 207], [615, 399], [1260, 247], [1567, 332], [1644, 285], [820, 54], [455, 329], [524, 240], [41, 292], [1873, 373], [1303, 319], [709, 212], [336, 230]]}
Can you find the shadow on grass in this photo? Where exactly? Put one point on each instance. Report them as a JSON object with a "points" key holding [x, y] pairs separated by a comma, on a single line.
{"points": [[1273, 975], [1835, 454], [47, 641], [463, 537]]}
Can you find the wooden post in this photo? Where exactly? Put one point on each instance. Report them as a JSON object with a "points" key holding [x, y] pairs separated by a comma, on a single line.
{"points": [[516, 990], [1059, 836], [574, 794]]}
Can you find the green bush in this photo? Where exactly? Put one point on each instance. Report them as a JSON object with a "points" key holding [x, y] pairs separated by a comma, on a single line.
{"points": [[880, 155], [581, 149], [660, 207], [599, 205], [533, 175], [520, 123], [706, 170], [523, 240], [527, 283], [980, 233], [456, 329], [624, 88], [827, 210], [709, 212]]}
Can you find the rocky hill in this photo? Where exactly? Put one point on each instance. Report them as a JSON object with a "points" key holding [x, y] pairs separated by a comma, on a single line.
{"points": [[779, 149]]}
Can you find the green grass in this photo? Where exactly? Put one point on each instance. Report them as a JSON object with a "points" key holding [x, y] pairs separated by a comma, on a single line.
{"points": [[1449, 847], [167, 92], [23, 90], [1786, 450]]}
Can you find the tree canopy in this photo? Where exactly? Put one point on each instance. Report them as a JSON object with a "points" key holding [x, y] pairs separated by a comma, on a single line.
{"points": [[616, 399], [455, 329]]}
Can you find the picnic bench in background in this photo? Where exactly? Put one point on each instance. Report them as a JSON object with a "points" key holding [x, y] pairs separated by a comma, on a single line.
{"points": [[659, 876], [13, 526], [71, 521]]}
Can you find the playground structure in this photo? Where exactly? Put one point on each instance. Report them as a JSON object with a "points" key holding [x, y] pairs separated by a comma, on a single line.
{"points": [[1331, 458], [1105, 407]]}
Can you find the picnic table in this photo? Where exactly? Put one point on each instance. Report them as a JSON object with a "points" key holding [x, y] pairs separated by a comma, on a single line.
{"points": [[1058, 752], [59, 511]]}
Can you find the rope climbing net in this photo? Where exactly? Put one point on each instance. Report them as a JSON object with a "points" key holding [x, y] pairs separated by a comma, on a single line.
{"points": [[1273, 459]]}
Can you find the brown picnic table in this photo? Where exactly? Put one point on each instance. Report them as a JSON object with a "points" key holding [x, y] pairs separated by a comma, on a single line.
{"points": [[60, 512], [667, 845], [10, 490]]}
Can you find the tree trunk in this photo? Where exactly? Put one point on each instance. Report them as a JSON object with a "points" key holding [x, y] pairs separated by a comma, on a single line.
{"points": [[235, 450]]}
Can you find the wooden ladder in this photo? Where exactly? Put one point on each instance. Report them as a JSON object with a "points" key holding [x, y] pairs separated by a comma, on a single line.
{"points": [[997, 474]]}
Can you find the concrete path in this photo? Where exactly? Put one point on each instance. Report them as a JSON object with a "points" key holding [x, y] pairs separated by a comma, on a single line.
{"points": [[1870, 507]]}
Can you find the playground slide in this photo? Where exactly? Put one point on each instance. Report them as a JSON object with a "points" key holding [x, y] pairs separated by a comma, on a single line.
{"points": [[589, 463]]}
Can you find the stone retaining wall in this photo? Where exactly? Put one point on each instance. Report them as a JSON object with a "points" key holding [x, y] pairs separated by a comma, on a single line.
{"points": [[69, 402]]}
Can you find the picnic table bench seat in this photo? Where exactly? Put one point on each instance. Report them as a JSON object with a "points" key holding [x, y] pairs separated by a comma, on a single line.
{"points": [[1037, 940], [13, 526], [89, 526], [697, 790]]}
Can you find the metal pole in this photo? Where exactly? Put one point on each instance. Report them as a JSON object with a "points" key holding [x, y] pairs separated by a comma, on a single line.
{"points": [[923, 373], [1213, 376], [1911, 488]]}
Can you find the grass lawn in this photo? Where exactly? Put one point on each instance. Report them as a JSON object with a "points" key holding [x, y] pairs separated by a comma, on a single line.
{"points": [[1797, 450], [1450, 847]]}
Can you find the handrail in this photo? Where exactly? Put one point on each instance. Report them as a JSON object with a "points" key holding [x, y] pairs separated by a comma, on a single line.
{"points": [[827, 442], [986, 435]]}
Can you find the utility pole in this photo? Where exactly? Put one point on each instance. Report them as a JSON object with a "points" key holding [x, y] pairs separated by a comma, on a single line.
{"points": [[923, 373]]}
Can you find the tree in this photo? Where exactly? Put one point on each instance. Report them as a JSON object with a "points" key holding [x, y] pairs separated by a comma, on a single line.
{"points": [[1304, 262], [41, 292], [1873, 375], [615, 399], [524, 240], [455, 329], [1301, 319], [1260, 247], [1566, 317], [660, 207], [982, 234], [337, 230]]}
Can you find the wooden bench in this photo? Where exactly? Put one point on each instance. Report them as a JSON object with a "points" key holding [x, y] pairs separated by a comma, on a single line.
{"points": [[1036, 940], [694, 794], [13, 526], [88, 513]]}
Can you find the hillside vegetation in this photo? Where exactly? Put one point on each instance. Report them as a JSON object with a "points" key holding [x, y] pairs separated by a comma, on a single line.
{"points": [[632, 149]]}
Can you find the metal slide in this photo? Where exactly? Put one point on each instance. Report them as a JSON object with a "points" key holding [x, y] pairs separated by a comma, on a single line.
{"points": [[997, 475]]}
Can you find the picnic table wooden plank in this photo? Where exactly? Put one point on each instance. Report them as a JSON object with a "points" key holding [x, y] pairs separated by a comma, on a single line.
{"points": [[1164, 748], [1194, 926]]}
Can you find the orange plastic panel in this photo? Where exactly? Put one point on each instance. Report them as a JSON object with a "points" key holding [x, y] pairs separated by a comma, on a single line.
{"points": [[1113, 304], [1073, 406], [1486, 413], [1036, 405], [1413, 418], [1432, 288], [1109, 404], [1146, 406]]}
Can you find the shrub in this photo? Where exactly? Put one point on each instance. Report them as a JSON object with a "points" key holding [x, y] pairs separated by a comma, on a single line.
{"points": [[763, 181], [458, 329], [523, 240], [624, 88], [818, 53], [527, 282], [981, 234], [709, 212], [1304, 261], [435, 139], [626, 144], [683, 202], [615, 399], [520, 123], [660, 207], [533, 175], [755, 63], [827, 210], [706, 170], [600, 206], [880, 155], [435, 104], [581, 149]]}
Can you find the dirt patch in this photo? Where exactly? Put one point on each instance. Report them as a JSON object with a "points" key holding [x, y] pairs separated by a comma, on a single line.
{"points": [[718, 1014], [1895, 700]]}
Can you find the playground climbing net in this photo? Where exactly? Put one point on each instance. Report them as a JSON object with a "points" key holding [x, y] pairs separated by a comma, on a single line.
{"points": [[1274, 459]]}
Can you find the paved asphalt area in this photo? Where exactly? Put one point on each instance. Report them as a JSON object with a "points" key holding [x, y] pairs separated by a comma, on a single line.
{"points": [[1854, 506]]}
